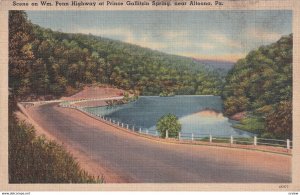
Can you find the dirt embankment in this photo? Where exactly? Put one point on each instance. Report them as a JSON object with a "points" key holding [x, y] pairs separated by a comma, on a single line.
{"points": [[91, 96], [95, 92], [238, 116]]}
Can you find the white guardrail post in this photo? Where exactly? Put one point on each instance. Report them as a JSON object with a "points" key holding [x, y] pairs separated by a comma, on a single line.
{"points": [[179, 136], [255, 140], [231, 139], [192, 136], [140, 130], [210, 138], [167, 134], [288, 145]]}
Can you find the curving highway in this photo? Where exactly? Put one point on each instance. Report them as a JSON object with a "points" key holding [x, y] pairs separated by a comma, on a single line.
{"points": [[137, 159]]}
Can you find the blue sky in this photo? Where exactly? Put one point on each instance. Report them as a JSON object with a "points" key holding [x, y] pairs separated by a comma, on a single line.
{"points": [[213, 35]]}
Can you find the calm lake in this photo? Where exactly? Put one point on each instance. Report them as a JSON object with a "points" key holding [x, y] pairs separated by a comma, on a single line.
{"points": [[192, 111]]}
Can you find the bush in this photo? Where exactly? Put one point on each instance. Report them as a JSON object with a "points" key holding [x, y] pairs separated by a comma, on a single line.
{"points": [[168, 122], [280, 121], [253, 124], [34, 159]]}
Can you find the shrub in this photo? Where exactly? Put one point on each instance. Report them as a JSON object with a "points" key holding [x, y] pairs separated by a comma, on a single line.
{"points": [[280, 121], [33, 159], [252, 124], [168, 122]]}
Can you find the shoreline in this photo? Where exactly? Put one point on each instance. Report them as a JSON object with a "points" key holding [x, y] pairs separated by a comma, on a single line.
{"points": [[238, 116]]}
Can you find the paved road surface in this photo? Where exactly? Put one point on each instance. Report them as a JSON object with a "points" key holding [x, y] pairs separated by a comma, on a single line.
{"points": [[142, 160]]}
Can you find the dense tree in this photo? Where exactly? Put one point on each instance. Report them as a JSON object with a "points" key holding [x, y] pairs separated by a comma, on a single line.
{"points": [[261, 84], [20, 53], [280, 120], [168, 123]]}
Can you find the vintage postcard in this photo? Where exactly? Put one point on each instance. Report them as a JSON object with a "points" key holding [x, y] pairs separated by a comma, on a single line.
{"points": [[149, 95]]}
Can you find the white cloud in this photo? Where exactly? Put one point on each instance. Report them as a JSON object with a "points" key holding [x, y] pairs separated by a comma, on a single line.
{"points": [[175, 34], [177, 38], [263, 35], [224, 40], [182, 39], [207, 46], [146, 42]]}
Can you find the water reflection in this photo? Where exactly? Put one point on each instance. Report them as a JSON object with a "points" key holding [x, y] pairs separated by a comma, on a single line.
{"points": [[197, 114]]}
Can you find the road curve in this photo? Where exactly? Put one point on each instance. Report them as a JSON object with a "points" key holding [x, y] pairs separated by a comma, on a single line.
{"points": [[142, 160]]}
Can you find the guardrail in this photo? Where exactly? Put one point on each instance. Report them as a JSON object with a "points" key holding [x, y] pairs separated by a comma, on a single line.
{"points": [[236, 140], [288, 144]]}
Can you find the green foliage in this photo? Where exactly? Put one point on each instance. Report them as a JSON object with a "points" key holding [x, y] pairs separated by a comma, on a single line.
{"points": [[235, 104], [45, 62], [262, 83], [20, 54], [34, 159], [280, 121], [168, 122], [253, 124]]}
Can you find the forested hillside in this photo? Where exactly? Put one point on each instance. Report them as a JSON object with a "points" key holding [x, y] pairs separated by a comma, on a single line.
{"points": [[43, 62], [261, 84]]}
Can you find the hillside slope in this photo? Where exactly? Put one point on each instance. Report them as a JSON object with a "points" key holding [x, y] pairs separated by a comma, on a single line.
{"points": [[261, 84], [46, 62]]}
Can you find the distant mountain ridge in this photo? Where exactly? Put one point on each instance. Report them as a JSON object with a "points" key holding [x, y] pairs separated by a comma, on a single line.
{"points": [[191, 62], [217, 64]]}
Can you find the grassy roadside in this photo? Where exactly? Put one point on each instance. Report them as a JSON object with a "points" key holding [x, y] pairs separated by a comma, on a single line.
{"points": [[33, 159]]}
